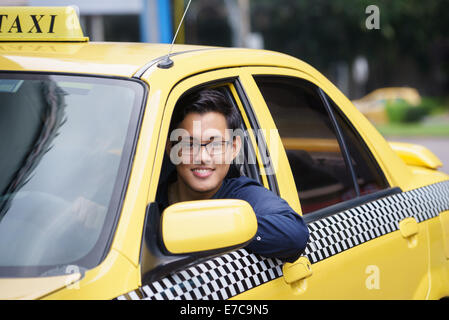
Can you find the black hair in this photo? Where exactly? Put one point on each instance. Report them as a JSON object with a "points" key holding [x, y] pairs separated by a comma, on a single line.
{"points": [[202, 101]]}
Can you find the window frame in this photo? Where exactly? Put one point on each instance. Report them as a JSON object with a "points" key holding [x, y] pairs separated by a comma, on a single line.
{"points": [[357, 135], [260, 143], [340, 138], [154, 261]]}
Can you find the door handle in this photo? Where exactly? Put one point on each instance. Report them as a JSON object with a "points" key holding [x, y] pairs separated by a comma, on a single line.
{"points": [[409, 230], [298, 270], [408, 227], [296, 273]]}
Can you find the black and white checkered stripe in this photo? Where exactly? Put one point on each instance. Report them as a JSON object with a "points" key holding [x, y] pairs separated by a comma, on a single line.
{"points": [[352, 227], [230, 274], [217, 279]]}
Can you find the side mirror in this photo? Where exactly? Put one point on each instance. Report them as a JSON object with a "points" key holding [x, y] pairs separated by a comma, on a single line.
{"points": [[207, 225]]}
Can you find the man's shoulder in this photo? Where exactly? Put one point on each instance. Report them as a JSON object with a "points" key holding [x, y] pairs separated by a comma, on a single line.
{"points": [[234, 187], [241, 181], [263, 200]]}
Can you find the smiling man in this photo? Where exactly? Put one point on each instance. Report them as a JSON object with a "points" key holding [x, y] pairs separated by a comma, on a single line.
{"points": [[202, 146]]}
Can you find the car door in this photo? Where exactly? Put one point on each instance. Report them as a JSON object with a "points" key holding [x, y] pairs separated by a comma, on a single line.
{"points": [[365, 241], [218, 277]]}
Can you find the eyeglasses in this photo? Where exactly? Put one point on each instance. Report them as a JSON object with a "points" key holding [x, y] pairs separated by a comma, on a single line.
{"points": [[214, 148]]}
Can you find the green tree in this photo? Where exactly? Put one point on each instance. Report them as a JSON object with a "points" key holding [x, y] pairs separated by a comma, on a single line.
{"points": [[325, 32]]}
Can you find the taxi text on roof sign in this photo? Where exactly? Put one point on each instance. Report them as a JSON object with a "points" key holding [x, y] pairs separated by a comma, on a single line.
{"points": [[40, 24]]}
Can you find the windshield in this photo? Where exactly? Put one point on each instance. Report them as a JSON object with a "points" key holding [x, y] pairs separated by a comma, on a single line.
{"points": [[62, 148]]}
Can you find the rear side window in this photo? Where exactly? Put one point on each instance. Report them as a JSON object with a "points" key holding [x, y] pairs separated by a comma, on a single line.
{"points": [[321, 172], [369, 176], [321, 175]]}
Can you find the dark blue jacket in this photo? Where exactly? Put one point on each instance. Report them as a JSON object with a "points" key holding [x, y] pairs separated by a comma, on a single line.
{"points": [[281, 232]]}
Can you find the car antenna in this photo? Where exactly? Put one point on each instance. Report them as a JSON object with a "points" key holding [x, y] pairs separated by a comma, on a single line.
{"points": [[167, 62]]}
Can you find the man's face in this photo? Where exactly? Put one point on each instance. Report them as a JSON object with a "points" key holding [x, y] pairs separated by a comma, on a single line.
{"points": [[201, 169]]}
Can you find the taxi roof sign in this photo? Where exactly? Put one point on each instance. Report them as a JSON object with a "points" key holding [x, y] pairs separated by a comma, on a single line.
{"points": [[40, 24]]}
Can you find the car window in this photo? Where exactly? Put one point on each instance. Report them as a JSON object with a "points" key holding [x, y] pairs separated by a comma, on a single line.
{"points": [[369, 176], [315, 153], [320, 172], [63, 138], [244, 165]]}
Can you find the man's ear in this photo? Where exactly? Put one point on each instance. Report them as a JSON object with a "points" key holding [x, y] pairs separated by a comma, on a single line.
{"points": [[236, 146], [168, 147]]}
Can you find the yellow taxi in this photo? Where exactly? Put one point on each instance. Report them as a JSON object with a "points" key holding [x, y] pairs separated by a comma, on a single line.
{"points": [[373, 105], [84, 127]]}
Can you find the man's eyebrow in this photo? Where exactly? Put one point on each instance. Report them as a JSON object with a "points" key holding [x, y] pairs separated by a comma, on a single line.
{"points": [[180, 138], [215, 137], [190, 138], [209, 138]]}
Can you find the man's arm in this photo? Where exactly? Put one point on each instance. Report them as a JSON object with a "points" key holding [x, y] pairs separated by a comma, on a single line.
{"points": [[281, 233]]}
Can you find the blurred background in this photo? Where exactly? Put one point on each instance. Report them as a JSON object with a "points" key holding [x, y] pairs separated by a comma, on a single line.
{"points": [[391, 58]]}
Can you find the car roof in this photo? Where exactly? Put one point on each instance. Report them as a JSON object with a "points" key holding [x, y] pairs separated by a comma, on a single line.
{"points": [[126, 59], [59, 46], [105, 58]]}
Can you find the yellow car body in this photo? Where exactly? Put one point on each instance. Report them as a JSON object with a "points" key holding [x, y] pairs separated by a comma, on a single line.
{"points": [[408, 259]]}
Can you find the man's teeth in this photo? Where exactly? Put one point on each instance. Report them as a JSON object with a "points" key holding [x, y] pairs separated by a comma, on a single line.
{"points": [[201, 170]]}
